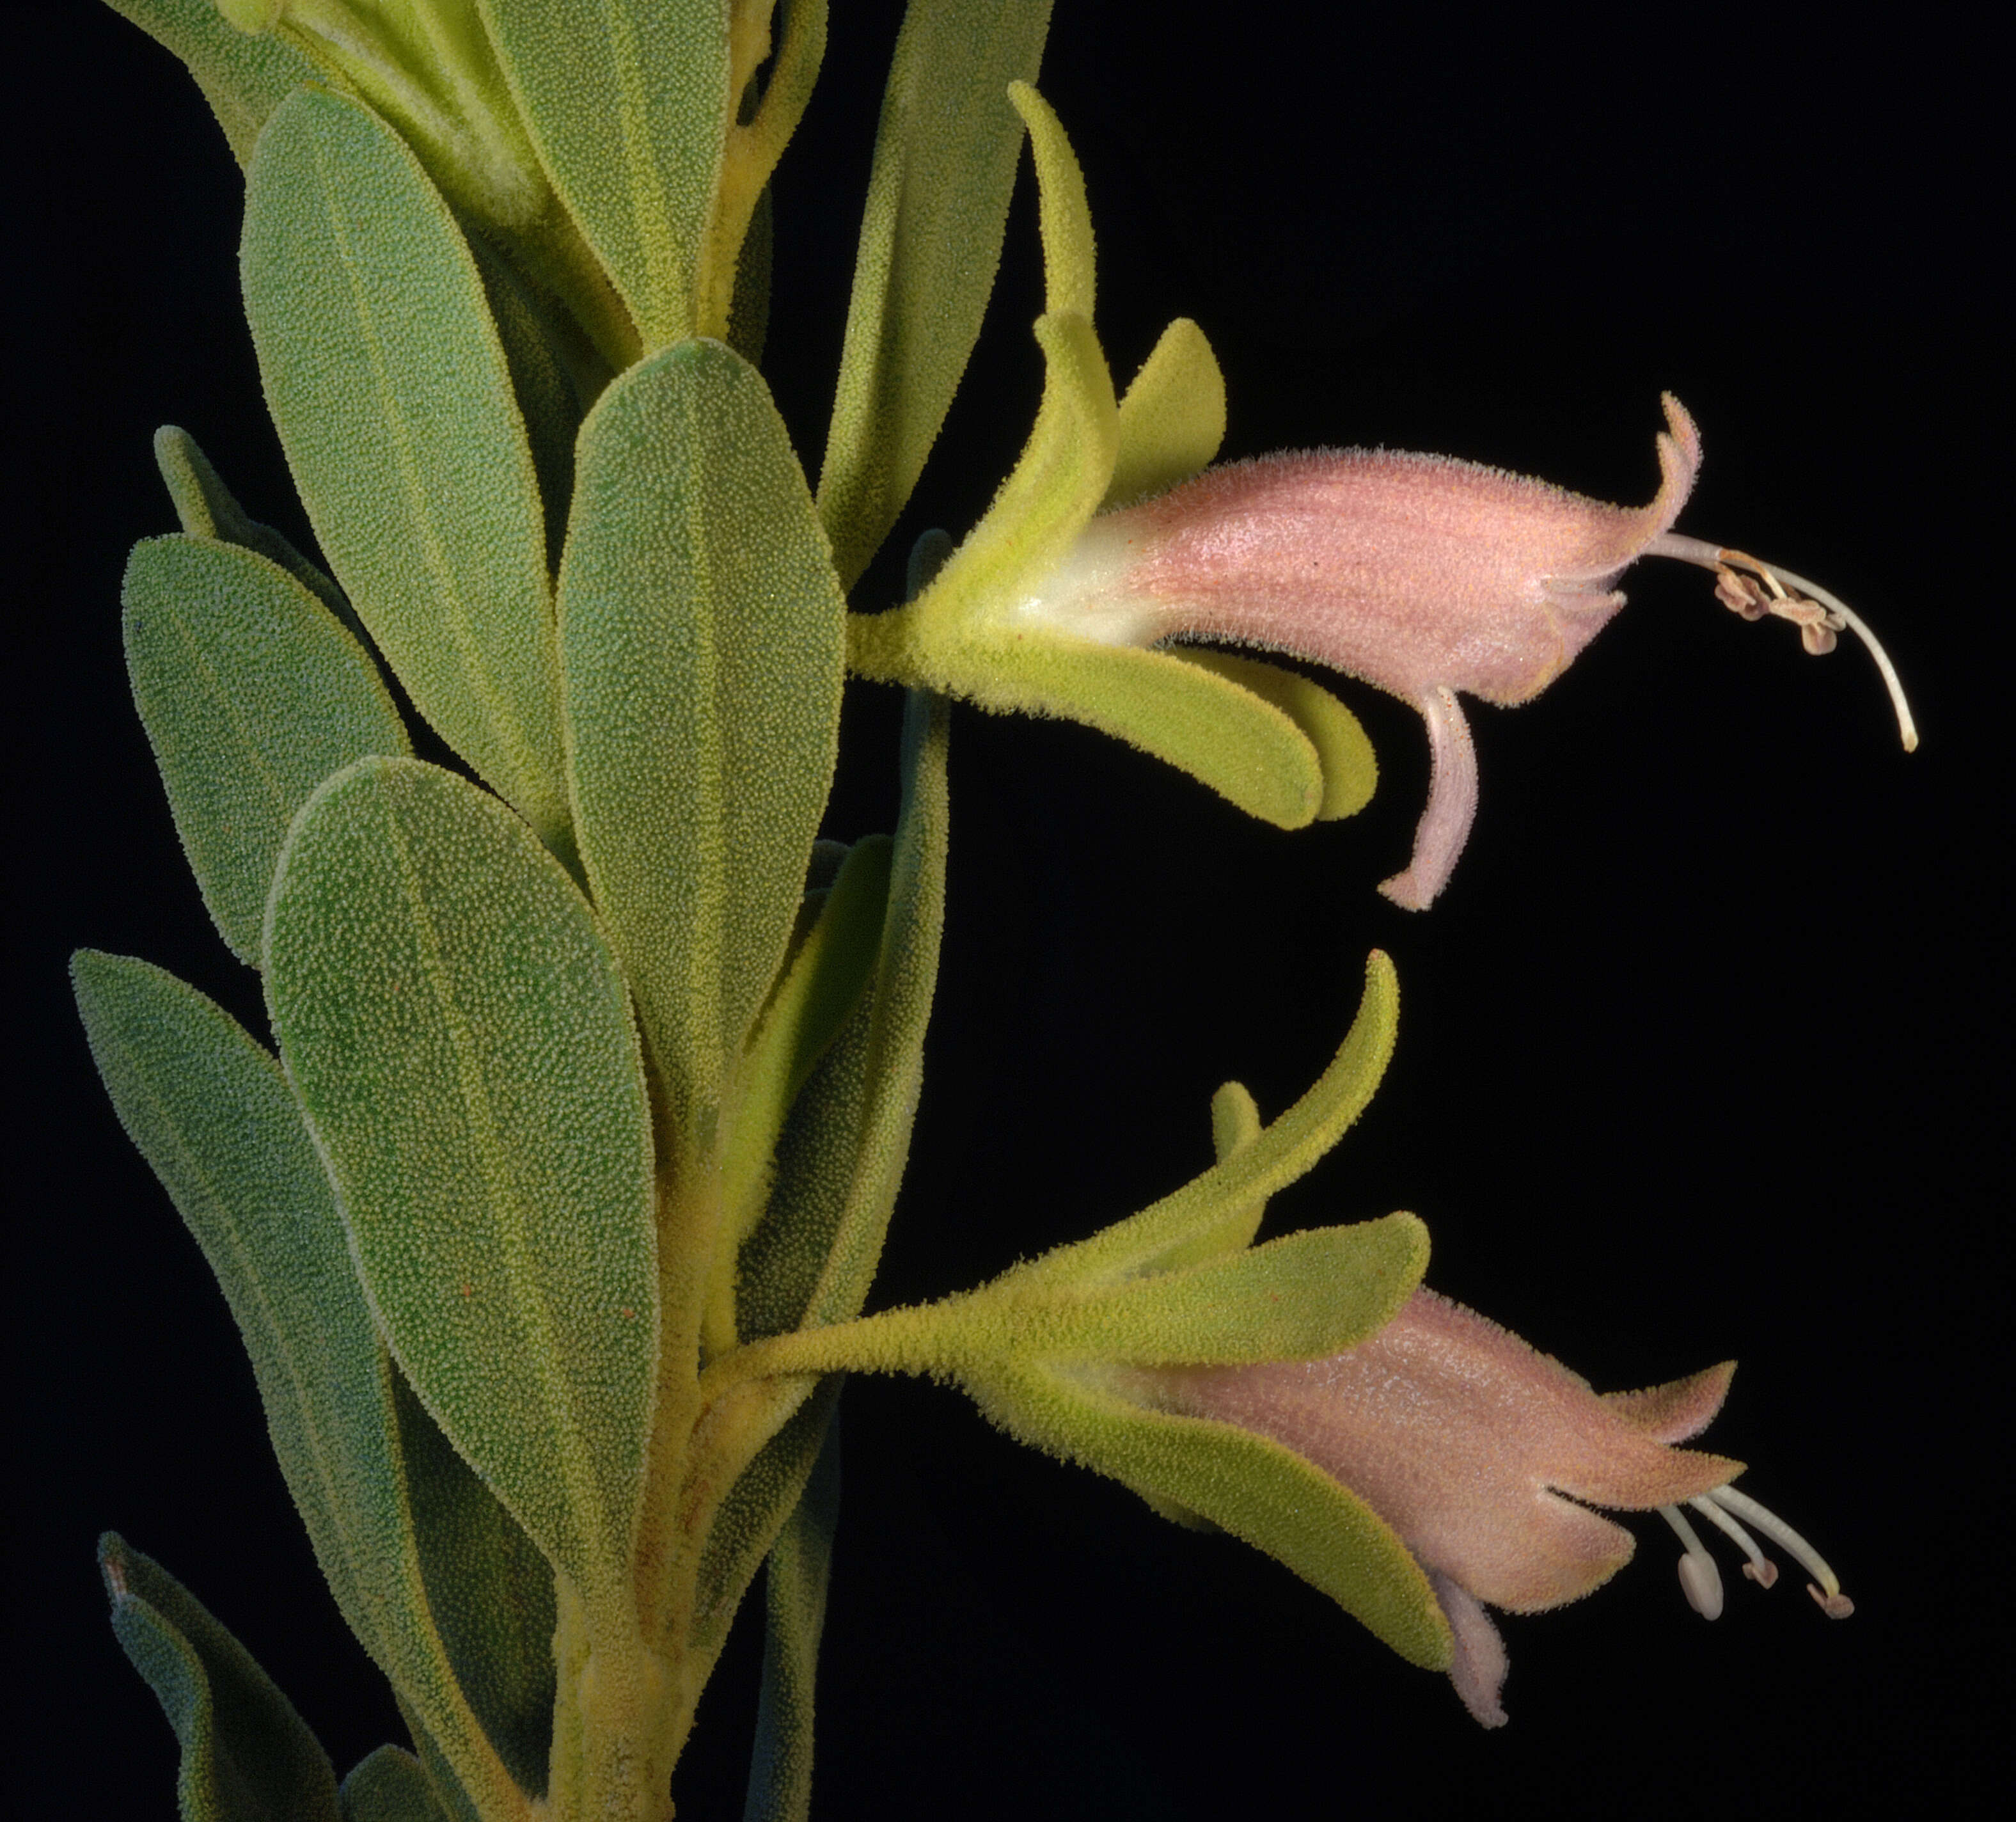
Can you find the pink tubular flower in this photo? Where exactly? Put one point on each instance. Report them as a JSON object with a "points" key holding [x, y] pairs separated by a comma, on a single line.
{"points": [[1484, 1457], [1421, 574]]}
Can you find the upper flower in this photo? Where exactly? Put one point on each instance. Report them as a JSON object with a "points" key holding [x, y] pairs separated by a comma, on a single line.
{"points": [[1484, 1457]]}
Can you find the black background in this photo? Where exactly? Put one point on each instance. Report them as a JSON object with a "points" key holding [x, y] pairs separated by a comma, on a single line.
{"points": [[1701, 1055]]}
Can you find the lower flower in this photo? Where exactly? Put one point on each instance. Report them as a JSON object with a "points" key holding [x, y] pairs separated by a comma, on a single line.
{"points": [[1485, 1457]]}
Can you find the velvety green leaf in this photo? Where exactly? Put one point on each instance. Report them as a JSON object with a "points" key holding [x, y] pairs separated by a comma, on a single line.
{"points": [[629, 103], [1283, 1151], [208, 509], [1064, 217], [946, 151], [390, 388], [891, 1058], [818, 990], [489, 1590], [390, 1785], [458, 1032], [795, 1578], [1171, 420], [246, 1755], [1250, 1485], [749, 312], [543, 372], [243, 77], [1350, 771], [251, 694], [212, 1113], [702, 630], [759, 1505]]}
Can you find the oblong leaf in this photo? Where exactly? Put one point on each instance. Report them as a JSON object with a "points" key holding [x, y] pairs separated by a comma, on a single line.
{"points": [[946, 151], [252, 693], [393, 399], [455, 1025], [629, 103], [246, 1755], [210, 1112], [208, 509], [244, 75], [389, 1785], [703, 634]]}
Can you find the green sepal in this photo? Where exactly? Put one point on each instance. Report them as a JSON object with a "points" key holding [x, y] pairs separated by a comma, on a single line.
{"points": [[1344, 752], [1171, 418], [390, 1785], [1248, 1485], [252, 693], [393, 400], [1163, 1233], [206, 508], [1298, 1297], [458, 1032], [702, 631], [795, 1578], [243, 77], [246, 1755], [945, 150], [210, 1112], [1235, 1124], [964, 635], [819, 989]]}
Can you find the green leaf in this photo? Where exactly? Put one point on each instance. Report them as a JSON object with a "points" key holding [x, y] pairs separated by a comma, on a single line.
{"points": [[945, 152], [457, 1030], [818, 992], [543, 372], [212, 1113], [246, 1755], [1151, 1240], [251, 693], [749, 312], [490, 1592], [1350, 770], [889, 1065], [390, 1785], [243, 78], [390, 390], [795, 1578], [1172, 418], [1248, 1485], [629, 103], [702, 631], [208, 509]]}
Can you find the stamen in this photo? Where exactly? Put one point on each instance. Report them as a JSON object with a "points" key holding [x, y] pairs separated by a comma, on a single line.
{"points": [[1774, 589], [1833, 1604], [1700, 1580], [1760, 1568]]}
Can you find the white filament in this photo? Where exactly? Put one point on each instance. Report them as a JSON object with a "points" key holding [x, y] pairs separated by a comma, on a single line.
{"points": [[1700, 1580], [1834, 1604], [1760, 1568]]}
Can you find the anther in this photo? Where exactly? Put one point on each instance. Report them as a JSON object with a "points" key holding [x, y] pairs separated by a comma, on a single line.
{"points": [[1759, 1568], [1833, 1603], [1772, 589], [1700, 1580]]}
